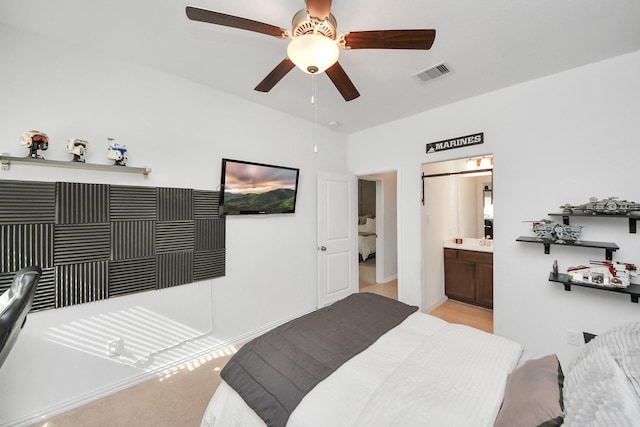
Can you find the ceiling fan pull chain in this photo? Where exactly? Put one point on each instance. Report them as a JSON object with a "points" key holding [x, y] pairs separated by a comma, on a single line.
{"points": [[314, 89]]}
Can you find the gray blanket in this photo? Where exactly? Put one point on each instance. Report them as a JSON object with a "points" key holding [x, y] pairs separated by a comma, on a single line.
{"points": [[275, 371]]}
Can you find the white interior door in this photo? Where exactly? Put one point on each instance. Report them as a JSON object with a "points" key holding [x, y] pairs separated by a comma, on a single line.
{"points": [[337, 237]]}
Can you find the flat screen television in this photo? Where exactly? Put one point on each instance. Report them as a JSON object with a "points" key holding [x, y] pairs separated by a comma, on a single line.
{"points": [[249, 188]]}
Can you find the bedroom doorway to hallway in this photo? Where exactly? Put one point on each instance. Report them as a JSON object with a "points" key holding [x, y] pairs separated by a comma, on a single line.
{"points": [[377, 234]]}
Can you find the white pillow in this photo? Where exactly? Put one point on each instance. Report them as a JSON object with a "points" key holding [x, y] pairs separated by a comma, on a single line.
{"points": [[370, 226]]}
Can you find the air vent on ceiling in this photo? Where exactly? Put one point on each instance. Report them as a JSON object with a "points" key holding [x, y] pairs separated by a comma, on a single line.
{"points": [[434, 72]]}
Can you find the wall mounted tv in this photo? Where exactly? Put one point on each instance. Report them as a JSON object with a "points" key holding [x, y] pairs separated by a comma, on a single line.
{"points": [[254, 188]]}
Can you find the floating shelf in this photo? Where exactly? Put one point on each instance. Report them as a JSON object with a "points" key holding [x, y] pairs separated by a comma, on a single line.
{"points": [[6, 161], [633, 290], [607, 246], [633, 217]]}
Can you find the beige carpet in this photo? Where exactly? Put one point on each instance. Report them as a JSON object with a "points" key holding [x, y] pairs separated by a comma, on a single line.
{"points": [[177, 398]]}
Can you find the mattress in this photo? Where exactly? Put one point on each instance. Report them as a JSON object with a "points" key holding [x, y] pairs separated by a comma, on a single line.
{"points": [[424, 371]]}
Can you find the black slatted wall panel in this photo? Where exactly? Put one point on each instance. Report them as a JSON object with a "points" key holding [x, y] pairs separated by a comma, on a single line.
{"points": [[129, 276], [27, 202], [22, 245], [97, 241], [208, 264], [81, 283], [132, 239], [210, 236], [174, 269], [82, 203]]}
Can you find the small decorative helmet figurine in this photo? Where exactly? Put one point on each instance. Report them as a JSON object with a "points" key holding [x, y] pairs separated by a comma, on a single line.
{"points": [[35, 140], [77, 147]]}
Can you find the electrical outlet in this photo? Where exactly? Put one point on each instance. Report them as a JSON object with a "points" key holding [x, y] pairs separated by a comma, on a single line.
{"points": [[115, 347], [573, 338]]}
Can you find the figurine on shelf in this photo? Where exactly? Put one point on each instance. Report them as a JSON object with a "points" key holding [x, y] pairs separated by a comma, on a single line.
{"points": [[77, 147], [35, 140], [608, 206], [117, 153], [559, 233]]}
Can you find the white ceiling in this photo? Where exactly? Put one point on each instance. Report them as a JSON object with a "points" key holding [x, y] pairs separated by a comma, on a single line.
{"points": [[489, 45]]}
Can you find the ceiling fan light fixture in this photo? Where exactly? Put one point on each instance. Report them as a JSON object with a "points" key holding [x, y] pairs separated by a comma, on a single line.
{"points": [[313, 53]]}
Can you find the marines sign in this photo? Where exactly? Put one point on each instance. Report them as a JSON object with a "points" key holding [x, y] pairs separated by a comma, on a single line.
{"points": [[462, 141]]}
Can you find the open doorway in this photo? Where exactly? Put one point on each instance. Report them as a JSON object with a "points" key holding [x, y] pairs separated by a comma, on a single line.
{"points": [[377, 234], [457, 215]]}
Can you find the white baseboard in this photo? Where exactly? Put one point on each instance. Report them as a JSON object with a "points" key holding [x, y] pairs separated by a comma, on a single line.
{"points": [[436, 304]]}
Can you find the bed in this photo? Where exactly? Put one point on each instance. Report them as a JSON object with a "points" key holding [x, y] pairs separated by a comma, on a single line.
{"points": [[366, 237], [421, 372]]}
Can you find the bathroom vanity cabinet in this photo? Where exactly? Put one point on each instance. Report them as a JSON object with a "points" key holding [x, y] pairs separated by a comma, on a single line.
{"points": [[468, 276]]}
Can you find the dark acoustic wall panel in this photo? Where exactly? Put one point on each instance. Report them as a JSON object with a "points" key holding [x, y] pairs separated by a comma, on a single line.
{"points": [[175, 204], [208, 264], [136, 275], [206, 204], [81, 243], [132, 203], [97, 241], [132, 239], [174, 269], [81, 203], [81, 283], [45, 297], [23, 245], [175, 236], [24, 202], [210, 234]]}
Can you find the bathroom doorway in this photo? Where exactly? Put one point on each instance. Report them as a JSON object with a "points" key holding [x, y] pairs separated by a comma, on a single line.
{"points": [[457, 204]]}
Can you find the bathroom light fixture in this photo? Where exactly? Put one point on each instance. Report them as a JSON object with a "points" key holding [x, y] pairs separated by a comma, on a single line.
{"points": [[313, 53], [479, 163], [485, 163], [472, 164]]}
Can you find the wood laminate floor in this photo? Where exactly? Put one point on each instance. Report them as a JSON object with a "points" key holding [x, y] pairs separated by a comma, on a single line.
{"points": [[451, 311], [465, 314]]}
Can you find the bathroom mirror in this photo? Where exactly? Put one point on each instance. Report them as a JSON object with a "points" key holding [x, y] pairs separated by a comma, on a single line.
{"points": [[460, 197], [487, 208]]}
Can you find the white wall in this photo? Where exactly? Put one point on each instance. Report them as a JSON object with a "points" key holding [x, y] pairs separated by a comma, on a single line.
{"points": [[559, 139], [181, 130]]}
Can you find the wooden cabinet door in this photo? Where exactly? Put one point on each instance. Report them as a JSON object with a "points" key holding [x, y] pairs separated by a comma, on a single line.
{"points": [[459, 282], [484, 285]]}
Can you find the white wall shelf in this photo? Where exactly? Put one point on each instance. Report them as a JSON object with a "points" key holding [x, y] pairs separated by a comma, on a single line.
{"points": [[6, 161]]}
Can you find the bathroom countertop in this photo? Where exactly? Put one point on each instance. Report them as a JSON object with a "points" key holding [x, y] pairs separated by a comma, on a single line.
{"points": [[469, 245]]}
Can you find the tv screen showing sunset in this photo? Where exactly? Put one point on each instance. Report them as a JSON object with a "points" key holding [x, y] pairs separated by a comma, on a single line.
{"points": [[255, 188]]}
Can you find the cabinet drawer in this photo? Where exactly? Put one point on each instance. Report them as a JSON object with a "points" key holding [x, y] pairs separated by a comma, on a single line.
{"points": [[477, 257], [450, 253]]}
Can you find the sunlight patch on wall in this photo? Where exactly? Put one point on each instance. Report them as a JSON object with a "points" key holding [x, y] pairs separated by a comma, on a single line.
{"points": [[137, 337]]}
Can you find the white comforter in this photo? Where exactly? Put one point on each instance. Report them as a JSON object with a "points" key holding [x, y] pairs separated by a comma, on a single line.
{"points": [[424, 372], [366, 245]]}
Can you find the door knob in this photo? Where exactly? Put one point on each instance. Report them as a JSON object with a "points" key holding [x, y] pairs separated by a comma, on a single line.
{"points": [[323, 248]]}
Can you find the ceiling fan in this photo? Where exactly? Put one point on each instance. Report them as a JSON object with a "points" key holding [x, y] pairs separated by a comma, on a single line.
{"points": [[315, 45]]}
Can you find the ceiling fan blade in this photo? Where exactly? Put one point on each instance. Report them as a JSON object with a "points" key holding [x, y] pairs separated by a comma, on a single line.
{"points": [[211, 17], [275, 75], [390, 39], [342, 82], [319, 8]]}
